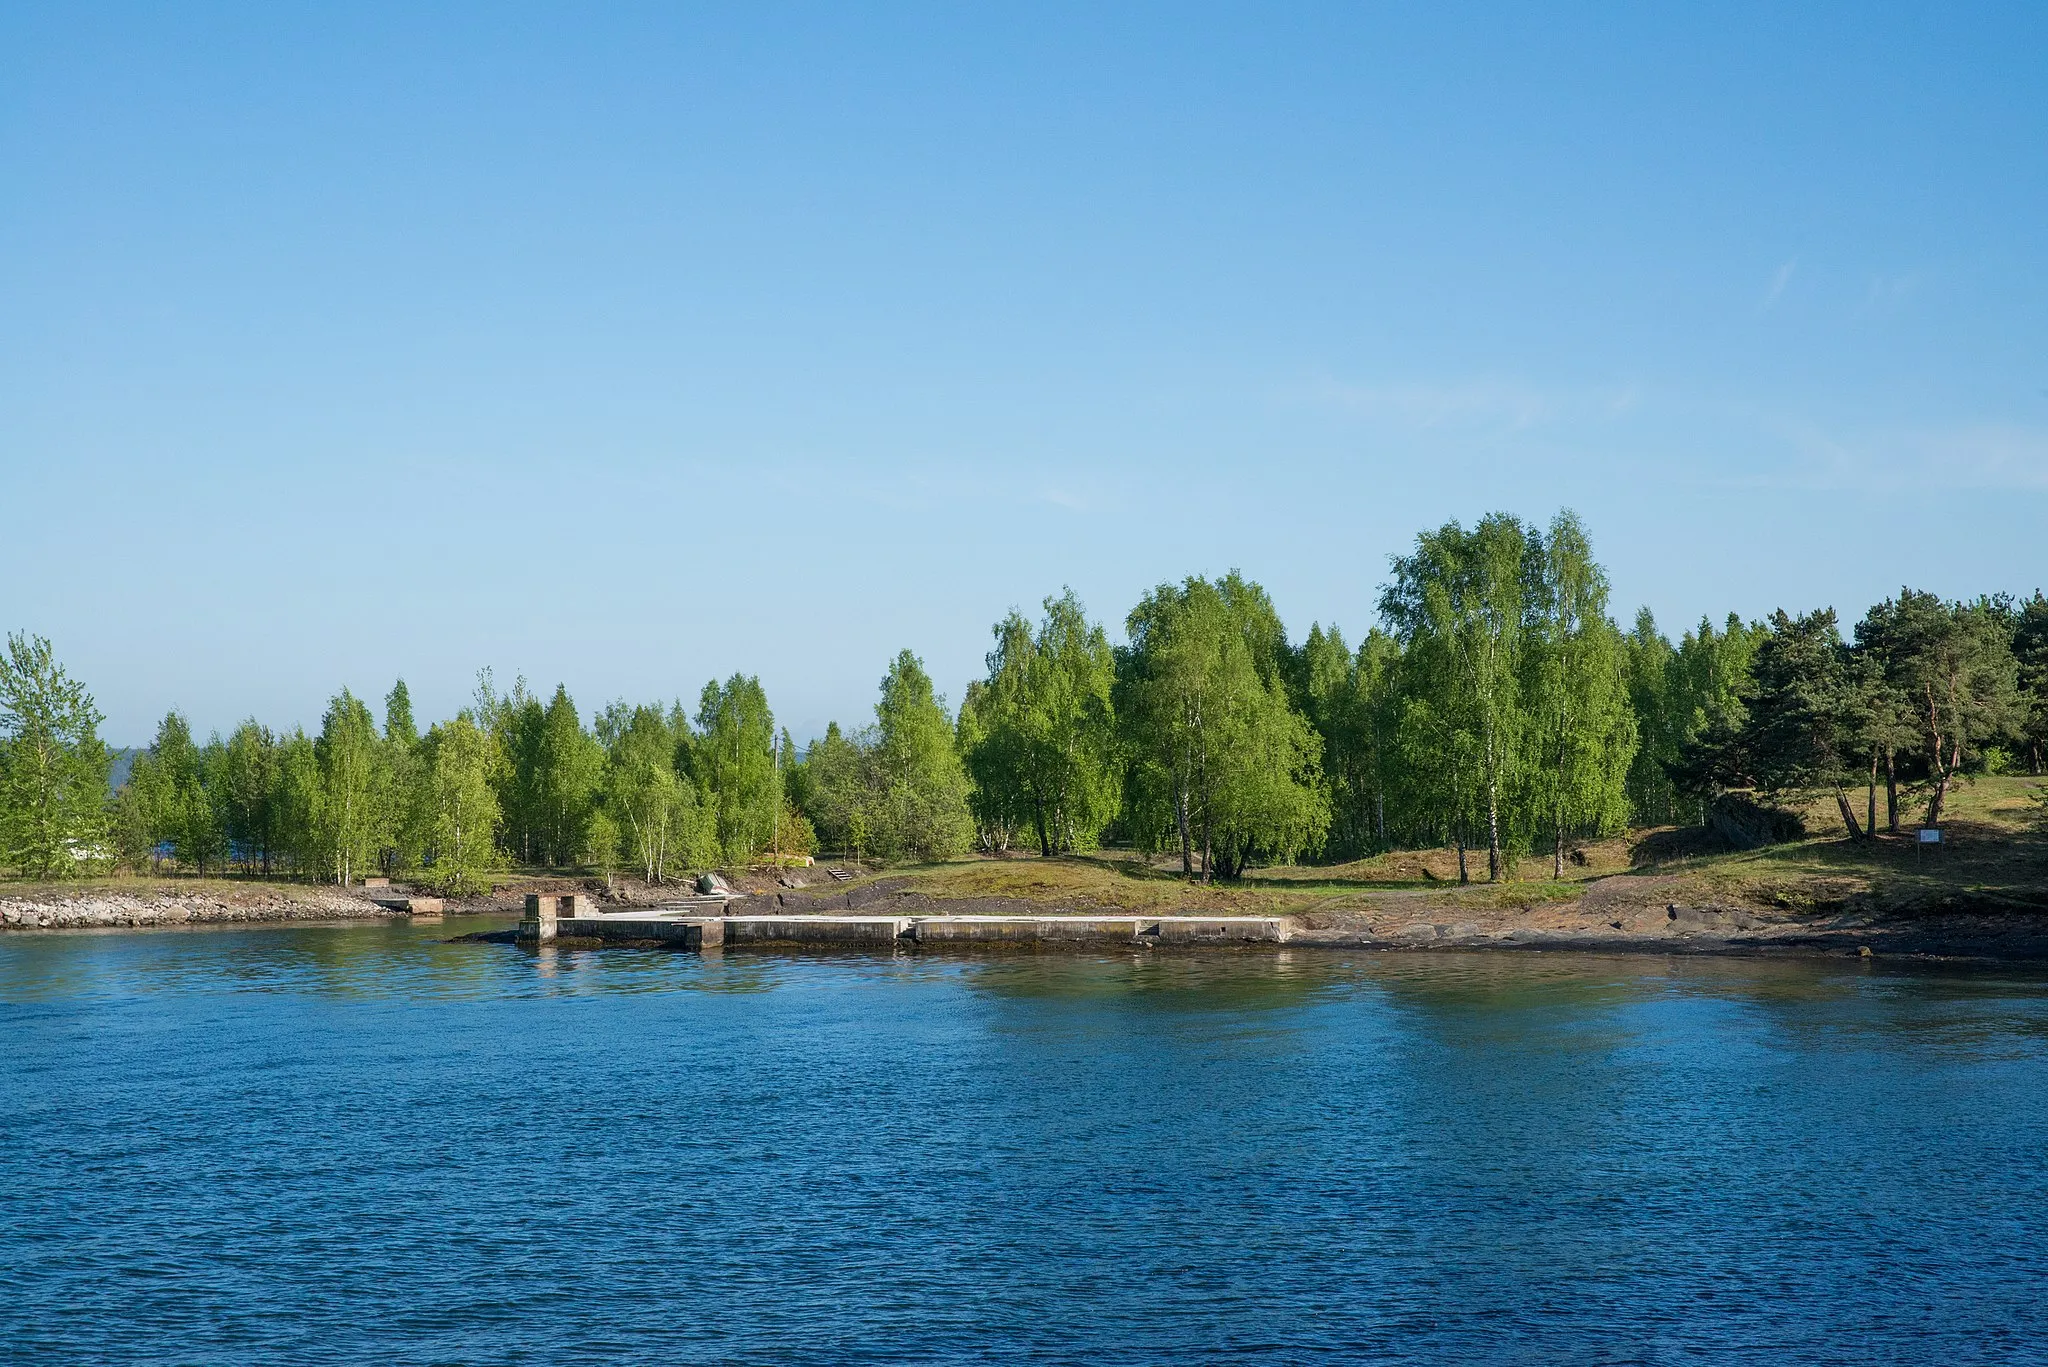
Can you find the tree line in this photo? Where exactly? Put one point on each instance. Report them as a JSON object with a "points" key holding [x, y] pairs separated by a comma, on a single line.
{"points": [[1496, 706]]}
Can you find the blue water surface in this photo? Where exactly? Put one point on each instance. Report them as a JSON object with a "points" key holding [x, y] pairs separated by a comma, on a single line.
{"points": [[362, 1144]]}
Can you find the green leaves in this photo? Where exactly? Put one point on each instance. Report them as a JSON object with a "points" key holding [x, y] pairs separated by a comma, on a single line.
{"points": [[897, 789], [53, 767], [456, 805], [1039, 734], [1221, 761], [733, 760]]}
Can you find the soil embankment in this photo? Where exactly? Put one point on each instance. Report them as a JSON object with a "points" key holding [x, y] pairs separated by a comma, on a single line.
{"points": [[1627, 912], [1623, 913]]}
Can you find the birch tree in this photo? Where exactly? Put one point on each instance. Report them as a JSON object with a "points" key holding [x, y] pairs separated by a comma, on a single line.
{"points": [[733, 761], [656, 808], [348, 821], [459, 804], [1458, 604], [1220, 757], [1581, 726], [1040, 731], [53, 766]]}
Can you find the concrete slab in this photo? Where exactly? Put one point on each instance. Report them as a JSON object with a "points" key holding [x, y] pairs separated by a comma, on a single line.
{"points": [[814, 930], [1220, 930], [1026, 929], [619, 930]]}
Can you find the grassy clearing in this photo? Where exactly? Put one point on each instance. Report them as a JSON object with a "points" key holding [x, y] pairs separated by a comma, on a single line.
{"points": [[1994, 848], [1997, 850]]}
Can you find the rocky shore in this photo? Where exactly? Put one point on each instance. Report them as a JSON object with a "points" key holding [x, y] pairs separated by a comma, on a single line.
{"points": [[1628, 914], [86, 910]]}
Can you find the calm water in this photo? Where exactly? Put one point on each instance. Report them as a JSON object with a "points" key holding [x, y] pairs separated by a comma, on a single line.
{"points": [[359, 1144]]}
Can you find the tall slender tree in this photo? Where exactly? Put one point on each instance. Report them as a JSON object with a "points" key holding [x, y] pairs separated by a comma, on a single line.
{"points": [[457, 805], [53, 766], [919, 785], [1582, 730], [349, 818], [733, 764], [567, 766], [1458, 605]]}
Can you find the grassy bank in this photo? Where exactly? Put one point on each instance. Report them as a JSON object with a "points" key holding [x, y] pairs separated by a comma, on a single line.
{"points": [[1995, 858], [1995, 855]]}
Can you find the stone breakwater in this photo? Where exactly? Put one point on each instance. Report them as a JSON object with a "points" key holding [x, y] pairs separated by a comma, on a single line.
{"points": [[91, 910]]}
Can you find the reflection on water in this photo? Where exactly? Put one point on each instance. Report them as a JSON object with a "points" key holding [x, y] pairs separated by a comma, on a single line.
{"points": [[350, 1143]]}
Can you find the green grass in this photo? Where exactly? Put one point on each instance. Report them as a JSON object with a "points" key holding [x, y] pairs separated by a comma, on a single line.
{"points": [[1997, 851]]}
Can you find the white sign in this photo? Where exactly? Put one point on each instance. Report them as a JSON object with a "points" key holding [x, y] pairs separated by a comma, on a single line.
{"points": [[1930, 835]]}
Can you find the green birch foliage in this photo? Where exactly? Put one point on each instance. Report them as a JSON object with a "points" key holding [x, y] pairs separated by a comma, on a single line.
{"points": [[567, 764], [733, 762], [457, 811], [299, 803], [207, 821], [1166, 703], [404, 775], [999, 804], [917, 790], [348, 820], [1220, 759], [1044, 747], [1706, 682], [1459, 605], [1348, 699], [1653, 797], [655, 809], [162, 783], [833, 787], [399, 728], [1581, 728], [53, 766], [250, 797], [1434, 751]]}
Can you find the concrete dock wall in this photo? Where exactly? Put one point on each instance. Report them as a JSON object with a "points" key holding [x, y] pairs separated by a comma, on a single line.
{"points": [[549, 920], [1025, 929], [814, 930], [610, 930]]}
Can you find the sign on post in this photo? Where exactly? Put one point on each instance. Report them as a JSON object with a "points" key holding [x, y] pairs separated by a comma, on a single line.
{"points": [[1930, 835]]}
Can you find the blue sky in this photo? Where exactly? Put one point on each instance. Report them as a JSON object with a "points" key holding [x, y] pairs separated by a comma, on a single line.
{"points": [[630, 347]]}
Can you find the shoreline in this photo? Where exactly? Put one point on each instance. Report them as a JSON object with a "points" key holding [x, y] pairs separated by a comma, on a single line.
{"points": [[1992, 933]]}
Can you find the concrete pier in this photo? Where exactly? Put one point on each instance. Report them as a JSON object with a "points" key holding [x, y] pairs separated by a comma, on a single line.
{"points": [[574, 919], [815, 930]]}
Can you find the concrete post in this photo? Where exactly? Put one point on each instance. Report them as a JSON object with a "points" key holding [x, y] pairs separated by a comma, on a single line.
{"points": [[541, 911]]}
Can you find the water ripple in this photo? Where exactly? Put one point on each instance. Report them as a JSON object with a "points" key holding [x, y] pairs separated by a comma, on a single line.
{"points": [[349, 1144]]}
